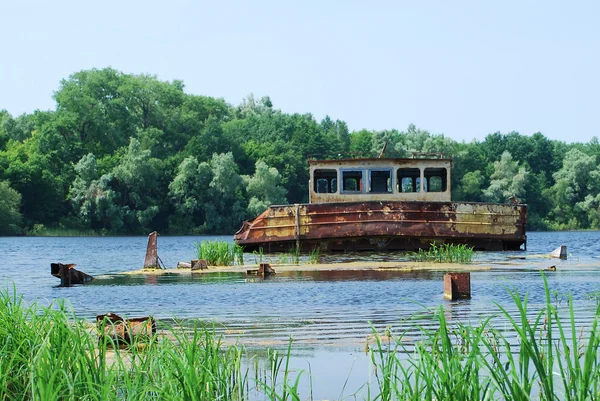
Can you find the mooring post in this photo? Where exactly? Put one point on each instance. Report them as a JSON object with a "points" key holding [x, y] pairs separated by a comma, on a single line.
{"points": [[151, 260], [457, 286]]}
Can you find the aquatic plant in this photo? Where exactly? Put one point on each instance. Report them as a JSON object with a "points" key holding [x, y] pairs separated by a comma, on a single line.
{"points": [[295, 254], [258, 255], [315, 255], [291, 257], [444, 253], [270, 384], [551, 359], [220, 253]]}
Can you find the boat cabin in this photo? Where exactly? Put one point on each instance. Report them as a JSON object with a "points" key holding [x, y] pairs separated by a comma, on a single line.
{"points": [[362, 180]]}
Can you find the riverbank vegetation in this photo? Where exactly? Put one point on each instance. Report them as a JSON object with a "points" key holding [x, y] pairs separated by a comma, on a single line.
{"points": [[125, 153], [48, 354]]}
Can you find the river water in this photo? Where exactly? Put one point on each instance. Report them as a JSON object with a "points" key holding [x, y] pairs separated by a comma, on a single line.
{"points": [[327, 313]]}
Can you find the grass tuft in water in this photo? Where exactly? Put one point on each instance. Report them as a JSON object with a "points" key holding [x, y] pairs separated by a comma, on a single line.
{"points": [[550, 360], [258, 255], [444, 253], [220, 253], [315, 256]]}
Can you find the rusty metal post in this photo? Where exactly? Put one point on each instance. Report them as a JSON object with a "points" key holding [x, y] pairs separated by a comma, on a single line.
{"points": [[265, 270], [457, 286], [151, 261], [297, 228]]}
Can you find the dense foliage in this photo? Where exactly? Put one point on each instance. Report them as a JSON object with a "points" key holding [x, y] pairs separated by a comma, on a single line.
{"points": [[128, 153]]}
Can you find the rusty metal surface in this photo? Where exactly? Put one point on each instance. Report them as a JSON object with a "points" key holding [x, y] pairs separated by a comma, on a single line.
{"points": [[457, 286], [121, 331], [386, 225], [68, 275], [151, 260]]}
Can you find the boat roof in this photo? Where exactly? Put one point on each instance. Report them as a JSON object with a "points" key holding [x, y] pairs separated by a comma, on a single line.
{"points": [[377, 159]]}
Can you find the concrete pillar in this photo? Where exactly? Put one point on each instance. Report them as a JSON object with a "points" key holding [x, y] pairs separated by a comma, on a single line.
{"points": [[560, 252]]}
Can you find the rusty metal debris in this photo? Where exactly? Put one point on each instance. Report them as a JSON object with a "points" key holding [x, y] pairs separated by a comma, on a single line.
{"points": [[196, 264], [68, 275], [152, 260], [199, 264], [113, 329], [264, 270], [457, 286]]}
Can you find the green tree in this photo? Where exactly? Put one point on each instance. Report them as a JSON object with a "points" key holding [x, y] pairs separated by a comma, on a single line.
{"points": [[134, 179], [575, 192], [28, 169], [361, 143], [10, 217], [94, 202], [227, 208], [188, 193], [507, 180], [471, 186], [264, 189]]}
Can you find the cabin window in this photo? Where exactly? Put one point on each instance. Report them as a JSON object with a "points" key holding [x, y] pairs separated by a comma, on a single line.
{"points": [[380, 181], [352, 181], [436, 180], [409, 180], [325, 181]]}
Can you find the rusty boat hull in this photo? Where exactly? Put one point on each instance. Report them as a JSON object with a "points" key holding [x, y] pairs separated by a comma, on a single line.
{"points": [[385, 225]]}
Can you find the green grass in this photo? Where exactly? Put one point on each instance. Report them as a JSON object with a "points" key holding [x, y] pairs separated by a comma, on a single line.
{"points": [[550, 360], [444, 253], [220, 253], [294, 255], [290, 257], [46, 353], [314, 256]]}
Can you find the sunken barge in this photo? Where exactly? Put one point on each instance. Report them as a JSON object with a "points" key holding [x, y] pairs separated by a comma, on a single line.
{"points": [[384, 204]]}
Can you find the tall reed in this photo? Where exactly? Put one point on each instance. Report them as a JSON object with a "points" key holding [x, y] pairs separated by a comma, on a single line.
{"points": [[551, 359], [48, 354], [444, 253], [220, 253]]}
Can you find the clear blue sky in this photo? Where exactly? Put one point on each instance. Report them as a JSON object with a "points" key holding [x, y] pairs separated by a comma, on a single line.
{"points": [[464, 68]]}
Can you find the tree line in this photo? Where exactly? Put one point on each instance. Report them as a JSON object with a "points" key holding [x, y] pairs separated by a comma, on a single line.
{"points": [[125, 153]]}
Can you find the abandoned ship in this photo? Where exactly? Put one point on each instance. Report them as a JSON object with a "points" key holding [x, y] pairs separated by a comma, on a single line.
{"points": [[384, 204]]}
